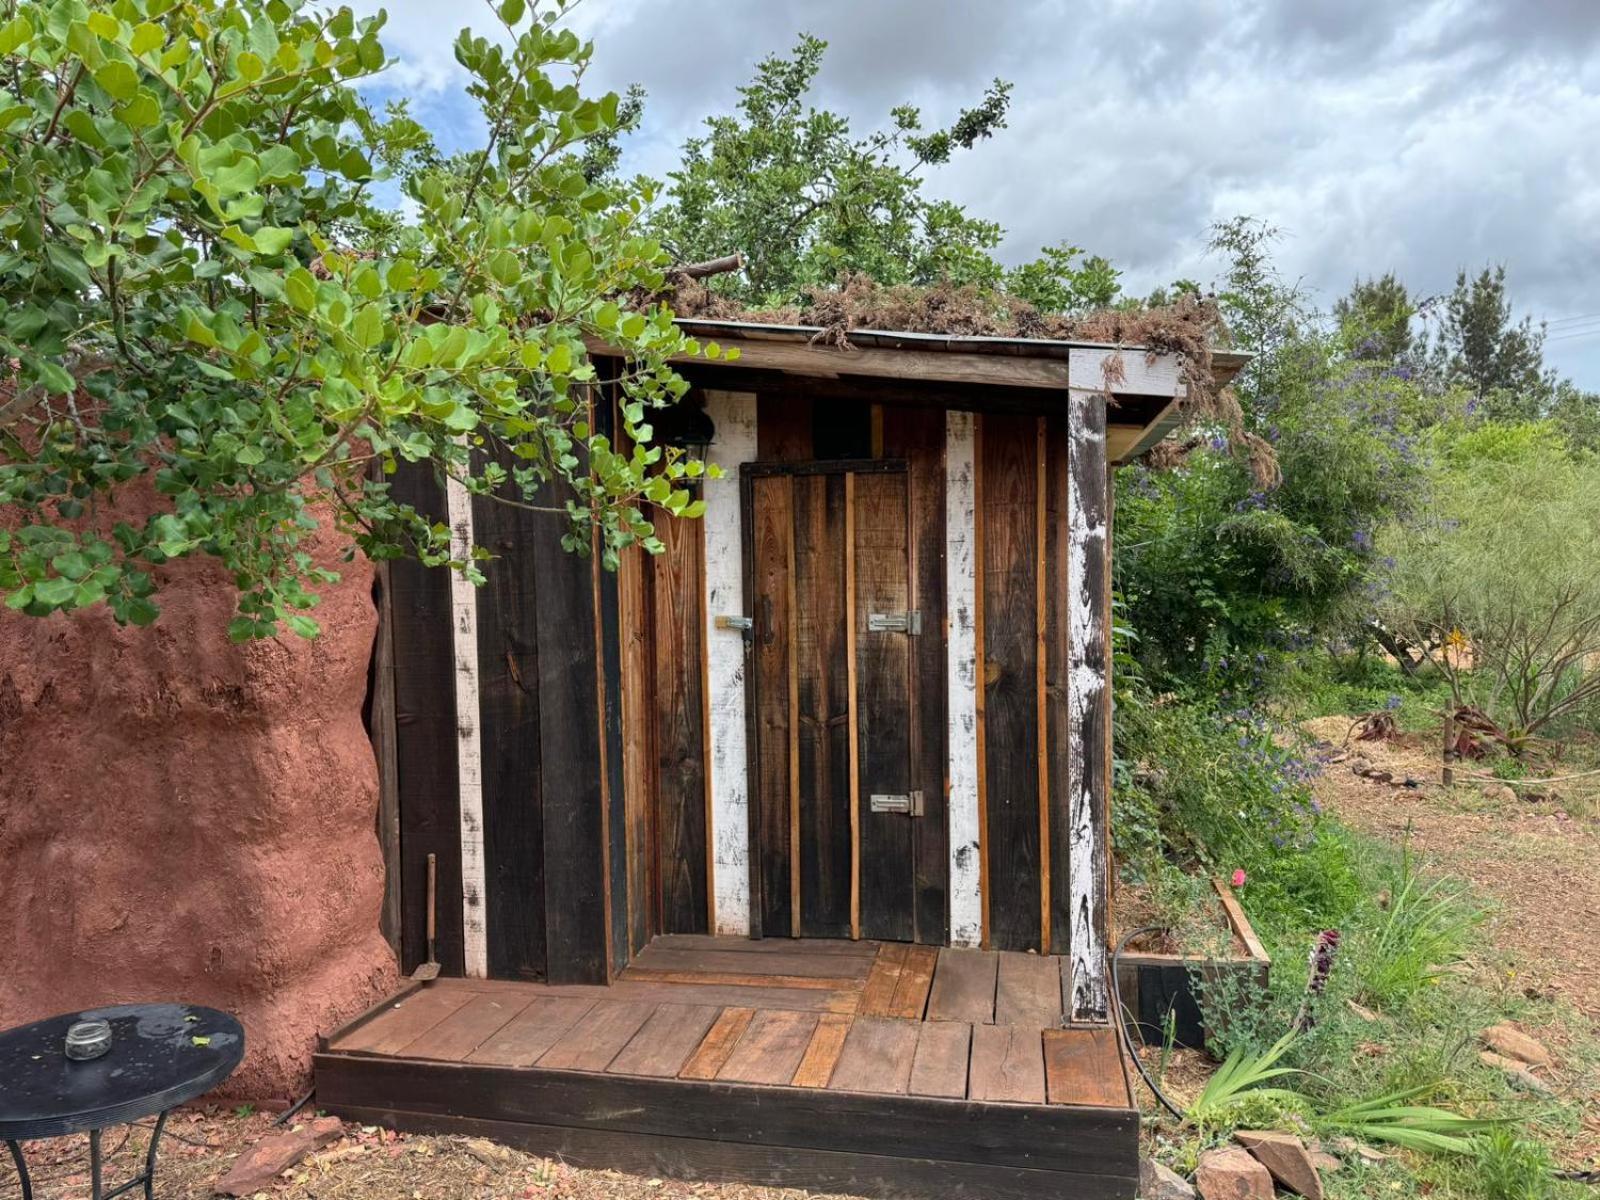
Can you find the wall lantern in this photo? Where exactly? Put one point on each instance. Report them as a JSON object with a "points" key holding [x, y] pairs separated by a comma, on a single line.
{"points": [[685, 426]]}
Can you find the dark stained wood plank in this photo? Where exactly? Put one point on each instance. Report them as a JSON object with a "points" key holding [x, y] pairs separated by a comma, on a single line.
{"points": [[1058, 662], [598, 1037], [877, 1056], [797, 999], [878, 996], [712, 1053], [608, 677], [916, 978], [822, 1052], [680, 822], [509, 707], [783, 425], [741, 945], [640, 974], [771, 1049], [918, 436], [405, 1021], [464, 1030], [939, 1067], [963, 986], [1028, 990], [823, 698], [1083, 1066], [883, 706], [520, 1041], [1089, 740], [635, 579], [381, 728], [769, 514], [822, 966], [1010, 685], [1007, 1064], [666, 1040], [1041, 707], [425, 735]]}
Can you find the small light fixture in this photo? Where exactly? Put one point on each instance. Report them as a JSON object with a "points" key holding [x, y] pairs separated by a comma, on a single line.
{"points": [[685, 426]]}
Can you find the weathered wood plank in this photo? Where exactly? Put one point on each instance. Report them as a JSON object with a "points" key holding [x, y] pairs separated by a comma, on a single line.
{"points": [[939, 1067], [771, 1049], [665, 1041], [1083, 1066], [468, 740], [877, 1056], [598, 1037], [1011, 733], [810, 946], [464, 1030], [916, 978], [772, 531], [883, 705], [1007, 1064], [405, 1021], [712, 1054], [961, 682], [777, 962], [635, 578], [1058, 725], [641, 974], [521, 1040], [822, 1053], [878, 996], [1028, 990], [783, 425], [963, 986]]}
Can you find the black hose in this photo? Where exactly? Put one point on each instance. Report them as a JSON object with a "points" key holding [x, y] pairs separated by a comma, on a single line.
{"points": [[1122, 1024], [287, 1114]]}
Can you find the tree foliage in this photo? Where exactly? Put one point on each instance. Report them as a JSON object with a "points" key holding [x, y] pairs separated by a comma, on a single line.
{"points": [[1481, 347], [1374, 319], [200, 303]]}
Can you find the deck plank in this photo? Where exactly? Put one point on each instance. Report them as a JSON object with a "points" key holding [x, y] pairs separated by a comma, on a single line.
{"points": [[771, 945], [406, 1020], [807, 999], [877, 1056], [939, 1067], [878, 996], [464, 1030], [521, 1041], [713, 1052], [739, 962], [771, 1049], [822, 1054], [1028, 990], [1082, 1066], [597, 1037], [916, 978], [1007, 1064], [963, 986], [815, 983], [665, 1041]]}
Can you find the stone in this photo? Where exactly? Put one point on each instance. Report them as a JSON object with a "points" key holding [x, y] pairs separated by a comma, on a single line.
{"points": [[1351, 1148], [1157, 1182], [1232, 1174], [1360, 766], [1510, 1041], [1286, 1158], [258, 1168], [1516, 1072], [1501, 793]]}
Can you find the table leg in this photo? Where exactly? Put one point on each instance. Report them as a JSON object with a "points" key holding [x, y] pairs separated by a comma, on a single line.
{"points": [[150, 1157], [94, 1164], [22, 1169]]}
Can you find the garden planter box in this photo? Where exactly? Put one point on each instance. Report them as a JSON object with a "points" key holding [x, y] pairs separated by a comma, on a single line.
{"points": [[1151, 985]]}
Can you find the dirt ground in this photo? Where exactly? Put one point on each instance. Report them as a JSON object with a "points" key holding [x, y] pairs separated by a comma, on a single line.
{"points": [[1537, 861]]}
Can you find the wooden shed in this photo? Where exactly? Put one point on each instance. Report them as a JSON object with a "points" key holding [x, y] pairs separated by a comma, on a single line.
{"points": [[782, 855]]}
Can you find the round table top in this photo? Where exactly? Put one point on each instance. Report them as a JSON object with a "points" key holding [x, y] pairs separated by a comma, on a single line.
{"points": [[160, 1056]]}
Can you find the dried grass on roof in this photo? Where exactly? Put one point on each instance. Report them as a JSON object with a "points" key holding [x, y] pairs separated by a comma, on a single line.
{"points": [[1191, 327]]}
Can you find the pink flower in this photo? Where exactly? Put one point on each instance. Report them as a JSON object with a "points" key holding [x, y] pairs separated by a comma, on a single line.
{"points": [[1238, 879]]}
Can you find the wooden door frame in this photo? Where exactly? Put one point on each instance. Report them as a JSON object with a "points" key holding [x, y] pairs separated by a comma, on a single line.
{"points": [[749, 472]]}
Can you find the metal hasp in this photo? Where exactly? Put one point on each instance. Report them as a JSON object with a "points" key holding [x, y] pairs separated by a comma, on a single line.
{"points": [[895, 622], [909, 803]]}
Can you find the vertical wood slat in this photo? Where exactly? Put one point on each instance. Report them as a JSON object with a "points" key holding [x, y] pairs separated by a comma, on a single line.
{"points": [[771, 525], [1040, 695], [981, 673], [1089, 699], [507, 655], [424, 714], [608, 682], [853, 723], [469, 748], [962, 782], [793, 723], [1008, 520], [1057, 660], [381, 728], [918, 435], [635, 574]]}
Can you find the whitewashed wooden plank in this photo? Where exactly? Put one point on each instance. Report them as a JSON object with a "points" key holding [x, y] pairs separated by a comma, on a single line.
{"points": [[469, 749], [734, 414], [961, 583], [1141, 374]]}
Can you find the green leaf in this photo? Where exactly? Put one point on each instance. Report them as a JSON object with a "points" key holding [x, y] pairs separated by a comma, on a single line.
{"points": [[147, 36], [271, 239], [368, 327], [55, 593], [250, 456], [55, 377], [511, 11], [300, 289], [304, 626], [119, 80], [14, 33]]}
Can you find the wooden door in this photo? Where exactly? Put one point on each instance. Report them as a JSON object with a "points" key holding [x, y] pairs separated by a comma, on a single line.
{"points": [[830, 687]]}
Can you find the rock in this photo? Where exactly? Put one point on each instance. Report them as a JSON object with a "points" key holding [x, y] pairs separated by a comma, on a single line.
{"points": [[1366, 1014], [1510, 1041], [1325, 1163], [1501, 793], [1232, 1174], [1360, 766], [1516, 1072], [1351, 1148], [1286, 1157], [1159, 1183], [258, 1168]]}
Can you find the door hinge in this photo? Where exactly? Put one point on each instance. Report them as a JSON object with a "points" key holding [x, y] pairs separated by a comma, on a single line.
{"points": [[909, 622], [909, 803]]}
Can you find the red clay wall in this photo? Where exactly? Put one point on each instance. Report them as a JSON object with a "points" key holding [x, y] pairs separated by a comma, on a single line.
{"points": [[185, 819]]}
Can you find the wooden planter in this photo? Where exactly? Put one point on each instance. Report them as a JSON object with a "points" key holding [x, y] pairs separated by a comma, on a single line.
{"points": [[1152, 985]]}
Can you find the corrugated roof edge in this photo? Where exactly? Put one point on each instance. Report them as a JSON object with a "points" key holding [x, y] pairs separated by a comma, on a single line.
{"points": [[1225, 364]]}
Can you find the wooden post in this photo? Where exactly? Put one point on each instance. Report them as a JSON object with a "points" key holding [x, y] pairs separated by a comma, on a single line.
{"points": [[1447, 773]]}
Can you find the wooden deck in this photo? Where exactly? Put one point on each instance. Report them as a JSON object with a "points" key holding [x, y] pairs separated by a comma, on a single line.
{"points": [[858, 1067]]}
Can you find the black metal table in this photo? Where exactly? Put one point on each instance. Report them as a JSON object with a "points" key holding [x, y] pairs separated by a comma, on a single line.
{"points": [[161, 1055]]}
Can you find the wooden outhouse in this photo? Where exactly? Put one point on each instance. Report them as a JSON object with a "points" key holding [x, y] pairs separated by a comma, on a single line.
{"points": [[782, 855]]}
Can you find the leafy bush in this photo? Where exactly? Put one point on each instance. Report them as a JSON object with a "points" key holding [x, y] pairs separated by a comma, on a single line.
{"points": [[1422, 933]]}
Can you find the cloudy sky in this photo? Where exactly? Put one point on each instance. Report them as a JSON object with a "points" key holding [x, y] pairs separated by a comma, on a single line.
{"points": [[1421, 137]]}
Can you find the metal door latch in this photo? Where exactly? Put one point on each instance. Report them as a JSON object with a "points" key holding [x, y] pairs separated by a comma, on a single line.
{"points": [[909, 622], [909, 803]]}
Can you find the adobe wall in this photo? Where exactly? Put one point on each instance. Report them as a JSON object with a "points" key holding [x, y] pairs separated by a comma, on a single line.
{"points": [[186, 819]]}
